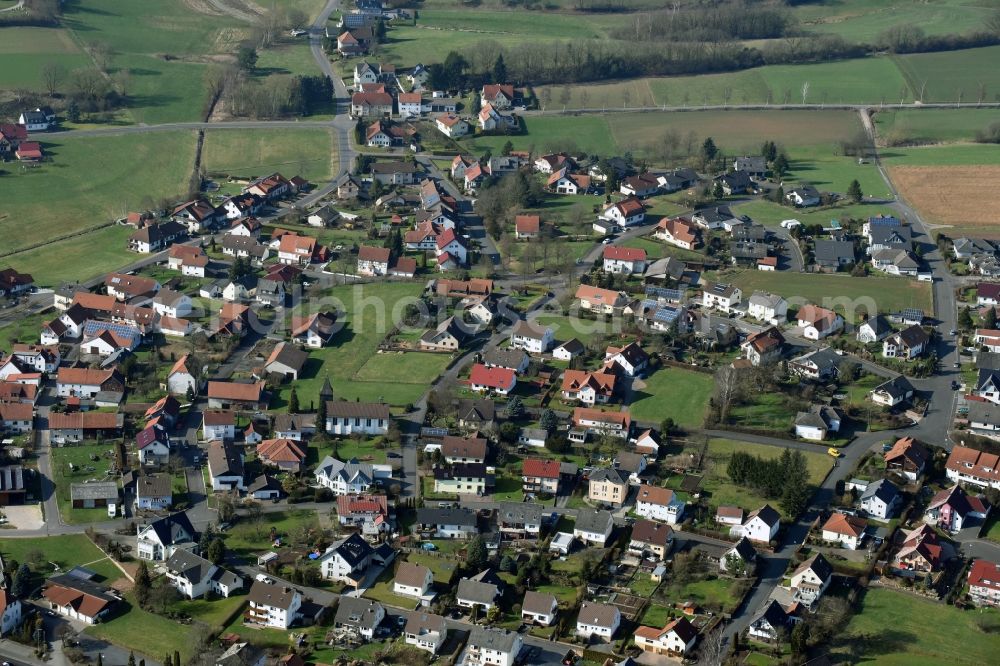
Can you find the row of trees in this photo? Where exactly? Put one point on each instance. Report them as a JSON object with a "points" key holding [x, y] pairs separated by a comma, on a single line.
{"points": [[785, 478], [733, 21], [274, 96]]}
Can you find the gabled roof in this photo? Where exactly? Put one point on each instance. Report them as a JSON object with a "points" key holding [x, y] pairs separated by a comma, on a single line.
{"points": [[655, 495], [651, 532], [463, 447], [907, 448], [497, 378], [540, 468], [593, 520], [819, 566], [840, 523], [767, 514], [598, 615]]}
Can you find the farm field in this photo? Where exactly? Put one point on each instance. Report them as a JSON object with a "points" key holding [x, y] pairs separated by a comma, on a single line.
{"points": [[953, 76], [952, 195], [839, 292], [893, 627], [736, 131], [771, 214], [863, 20], [554, 133], [933, 125], [675, 393], [25, 51], [249, 153], [723, 491], [502, 23], [66, 195], [957, 154], [287, 57], [76, 259]]}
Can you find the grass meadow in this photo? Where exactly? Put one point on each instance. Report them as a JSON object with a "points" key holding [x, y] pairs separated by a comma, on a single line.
{"points": [[88, 182], [554, 133], [933, 125], [25, 51], [863, 20], [952, 76], [679, 394], [250, 153], [771, 214]]}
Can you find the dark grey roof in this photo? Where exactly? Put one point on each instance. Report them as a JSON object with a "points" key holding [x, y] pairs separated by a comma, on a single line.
{"points": [[273, 595], [879, 325], [190, 566], [592, 520], [819, 565], [476, 409], [519, 512], [833, 251], [240, 654], [774, 614], [493, 639], [100, 490], [353, 549], [360, 613], [616, 476], [745, 549], [882, 489], [897, 387], [153, 485], [477, 591], [900, 236], [505, 358], [173, 529], [984, 412], [440, 516]]}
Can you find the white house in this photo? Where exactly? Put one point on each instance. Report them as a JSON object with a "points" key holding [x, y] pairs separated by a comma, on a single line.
{"points": [[272, 605], [492, 647], [848, 531], [722, 297], [451, 125], [625, 213], [598, 620], [531, 338], [161, 538], [658, 503], [349, 478], [880, 499], [593, 527], [180, 378], [769, 308], [412, 580], [193, 576], [811, 579], [218, 424], [347, 560], [676, 639], [627, 260], [225, 466], [539, 608], [425, 631], [364, 418], [817, 323], [761, 525]]}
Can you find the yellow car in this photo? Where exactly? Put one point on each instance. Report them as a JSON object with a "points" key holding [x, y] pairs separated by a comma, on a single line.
{"points": [[833, 452]]}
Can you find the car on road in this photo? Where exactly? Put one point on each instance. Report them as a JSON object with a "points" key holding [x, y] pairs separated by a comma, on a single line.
{"points": [[835, 452]]}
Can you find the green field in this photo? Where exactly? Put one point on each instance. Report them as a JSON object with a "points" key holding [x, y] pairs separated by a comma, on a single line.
{"points": [[249, 153], [771, 214], [829, 170], [933, 125], [960, 154], [840, 292], [588, 134], [370, 309], [67, 194], [144, 632], [952, 76], [675, 393], [846, 82], [65, 552], [724, 492], [893, 628], [863, 20], [55, 263], [25, 51]]}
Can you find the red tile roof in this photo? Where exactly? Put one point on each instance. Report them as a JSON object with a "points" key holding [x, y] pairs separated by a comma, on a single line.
{"points": [[541, 468], [498, 378], [617, 253]]}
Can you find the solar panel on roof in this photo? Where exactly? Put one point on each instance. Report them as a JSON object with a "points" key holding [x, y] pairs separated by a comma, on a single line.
{"points": [[912, 313], [664, 293], [95, 327], [666, 314]]}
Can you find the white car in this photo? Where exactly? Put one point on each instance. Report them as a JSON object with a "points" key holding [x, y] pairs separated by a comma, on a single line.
{"points": [[264, 579]]}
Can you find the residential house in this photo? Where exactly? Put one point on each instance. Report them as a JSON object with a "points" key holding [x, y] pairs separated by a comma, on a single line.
{"points": [[564, 181], [984, 583], [896, 262], [78, 599], [446, 523], [451, 125], [720, 296], [553, 162], [531, 338], [737, 182], [225, 467], [539, 608], [298, 250], [729, 515], [461, 479], [180, 379], [907, 344], [677, 638], [587, 387], [510, 358], [347, 560], [314, 331], [627, 260], [197, 215], [601, 301], [761, 525], [596, 620], [498, 95], [770, 624], [368, 512], [218, 424], [413, 580], [848, 531], [194, 577], [11, 612], [463, 449], [170, 303], [818, 365], [492, 380], [907, 457], [76, 426], [810, 580], [588, 421], [769, 308], [272, 605], [373, 261], [156, 237], [625, 213], [803, 196], [153, 492], [740, 557], [593, 527], [973, 467], [540, 475], [763, 348], [452, 251], [351, 477], [395, 172], [607, 485], [631, 360], [678, 232], [519, 519], [161, 538], [492, 647], [874, 329], [527, 227], [425, 631], [818, 323], [642, 185], [880, 500], [650, 540], [568, 350], [480, 591], [920, 551], [448, 336], [359, 617], [953, 508], [817, 423], [833, 254], [889, 238], [659, 504], [287, 455]]}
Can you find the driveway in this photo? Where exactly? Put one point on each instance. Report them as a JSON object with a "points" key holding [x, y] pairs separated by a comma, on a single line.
{"points": [[28, 517]]}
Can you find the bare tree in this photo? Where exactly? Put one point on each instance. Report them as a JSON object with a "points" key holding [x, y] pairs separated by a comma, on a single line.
{"points": [[727, 390], [805, 91], [123, 81], [53, 75], [103, 53], [713, 647]]}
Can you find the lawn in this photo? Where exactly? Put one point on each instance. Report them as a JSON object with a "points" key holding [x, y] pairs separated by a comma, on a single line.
{"points": [[249, 540], [892, 628], [104, 250], [656, 616], [841, 292], [864, 20], [673, 392], [382, 592], [933, 125], [722, 491], [442, 567], [84, 469], [25, 51], [64, 552], [370, 311], [962, 154], [24, 330], [714, 592], [567, 327], [771, 214], [953, 76], [67, 195], [826, 168], [735, 131], [165, 47], [767, 411], [215, 613], [144, 632], [589, 134], [250, 153]]}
